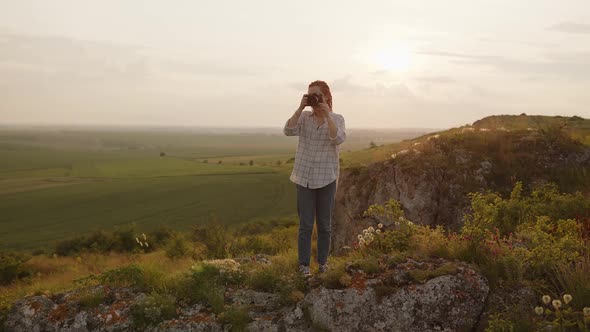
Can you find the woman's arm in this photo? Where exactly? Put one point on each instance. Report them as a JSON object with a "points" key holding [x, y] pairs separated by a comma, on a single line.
{"points": [[336, 128], [293, 125]]}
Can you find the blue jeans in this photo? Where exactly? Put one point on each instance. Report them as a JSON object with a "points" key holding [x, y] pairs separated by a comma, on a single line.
{"points": [[317, 203]]}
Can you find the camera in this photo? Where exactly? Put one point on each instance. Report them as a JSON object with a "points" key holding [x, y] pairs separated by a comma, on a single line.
{"points": [[314, 99]]}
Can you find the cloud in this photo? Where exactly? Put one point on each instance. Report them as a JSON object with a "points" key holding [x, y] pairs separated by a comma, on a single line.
{"points": [[436, 79], [554, 65], [570, 27], [517, 42]]}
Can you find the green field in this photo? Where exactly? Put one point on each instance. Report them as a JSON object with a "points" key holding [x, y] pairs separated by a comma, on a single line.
{"points": [[56, 183]]}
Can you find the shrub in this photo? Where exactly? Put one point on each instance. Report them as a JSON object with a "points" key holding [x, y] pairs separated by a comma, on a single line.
{"points": [[126, 276], [153, 309], [265, 280], [214, 236], [12, 266], [177, 247], [237, 316], [90, 298], [395, 236]]}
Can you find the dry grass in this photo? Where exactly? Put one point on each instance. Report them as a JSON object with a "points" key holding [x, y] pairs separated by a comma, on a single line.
{"points": [[57, 274]]}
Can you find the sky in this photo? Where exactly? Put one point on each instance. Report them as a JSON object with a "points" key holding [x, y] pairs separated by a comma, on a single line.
{"points": [[389, 64]]}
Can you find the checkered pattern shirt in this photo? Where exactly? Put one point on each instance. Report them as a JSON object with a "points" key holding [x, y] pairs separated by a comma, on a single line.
{"points": [[317, 159]]}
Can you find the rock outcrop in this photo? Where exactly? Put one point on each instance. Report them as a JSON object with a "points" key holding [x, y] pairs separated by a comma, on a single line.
{"points": [[433, 179], [449, 296]]}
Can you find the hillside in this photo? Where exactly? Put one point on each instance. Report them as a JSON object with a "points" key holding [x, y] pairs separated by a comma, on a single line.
{"points": [[431, 175], [577, 127], [465, 229]]}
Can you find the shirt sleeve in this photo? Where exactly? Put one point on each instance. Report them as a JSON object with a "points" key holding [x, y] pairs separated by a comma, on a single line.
{"points": [[293, 131], [340, 130]]}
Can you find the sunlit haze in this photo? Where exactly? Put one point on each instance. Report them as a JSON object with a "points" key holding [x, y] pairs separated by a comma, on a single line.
{"points": [[395, 64]]}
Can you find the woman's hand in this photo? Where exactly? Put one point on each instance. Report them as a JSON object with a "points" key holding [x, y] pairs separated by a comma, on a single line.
{"points": [[323, 110], [303, 103]]}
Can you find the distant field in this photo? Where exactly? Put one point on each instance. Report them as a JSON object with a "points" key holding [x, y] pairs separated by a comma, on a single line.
{"points": [[55, 184]]}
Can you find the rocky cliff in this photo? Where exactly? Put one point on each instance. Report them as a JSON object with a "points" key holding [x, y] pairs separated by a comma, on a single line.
{"points": [[433, 177]]}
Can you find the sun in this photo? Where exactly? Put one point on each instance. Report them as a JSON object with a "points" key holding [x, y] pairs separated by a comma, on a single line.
{"points": [[395, 57]]}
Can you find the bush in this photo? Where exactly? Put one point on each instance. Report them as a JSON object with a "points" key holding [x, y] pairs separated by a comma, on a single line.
{"points": [[126, 276], [122, 239], [395, 236], [237, 316], [90, 298], [177, 247], [265, 280], [153, 309], [215, 236], [12, 266]]}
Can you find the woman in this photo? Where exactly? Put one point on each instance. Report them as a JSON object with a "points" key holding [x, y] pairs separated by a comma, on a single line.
{"points": [[316, 170]]}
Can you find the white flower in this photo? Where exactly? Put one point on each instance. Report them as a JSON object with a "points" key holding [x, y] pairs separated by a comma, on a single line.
{"points": [[539, 310], [556, 304], [144, 237], [380, 225], [378, 231], [360, 236], [137, 240], [586, 311], [546, 299], [146, 244], [365, 231], [567, 298], [371, 229], [141, 243], [362, 240]]}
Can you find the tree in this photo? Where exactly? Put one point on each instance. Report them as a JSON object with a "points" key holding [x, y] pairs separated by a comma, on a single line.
{"points": [[251, 162], [205, 161], [162, 154], [372, 144]]}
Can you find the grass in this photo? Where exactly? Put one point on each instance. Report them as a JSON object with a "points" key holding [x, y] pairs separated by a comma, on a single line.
{"points": [[59, 182]]}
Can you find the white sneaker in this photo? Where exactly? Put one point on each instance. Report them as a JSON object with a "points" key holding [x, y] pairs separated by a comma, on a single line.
{"points": [[304, 270]]}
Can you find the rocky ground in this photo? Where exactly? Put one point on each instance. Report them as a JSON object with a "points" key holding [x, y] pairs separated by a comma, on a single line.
{"points": [[435, 295]]}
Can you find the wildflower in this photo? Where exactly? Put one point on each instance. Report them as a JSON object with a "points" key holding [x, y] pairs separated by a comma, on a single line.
{"points": [[546, 299], [146, 244], [365, 231], [567, 298], [380, 225], [144, 237], [539, 310], [556, 304], [360, 236], [137, 240], [371, 229], [362, 240], [141, 243], [586, 311], [378, 231], [401, 218]]}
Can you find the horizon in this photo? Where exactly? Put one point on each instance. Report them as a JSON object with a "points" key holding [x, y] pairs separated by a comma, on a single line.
{"points": [[414, 65]]}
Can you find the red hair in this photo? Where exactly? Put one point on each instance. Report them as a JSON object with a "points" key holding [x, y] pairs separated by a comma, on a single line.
{"points": [[325, 90]]}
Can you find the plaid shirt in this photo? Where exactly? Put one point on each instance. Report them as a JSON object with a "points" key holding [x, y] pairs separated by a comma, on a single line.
{"points": [[317, 160]]}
